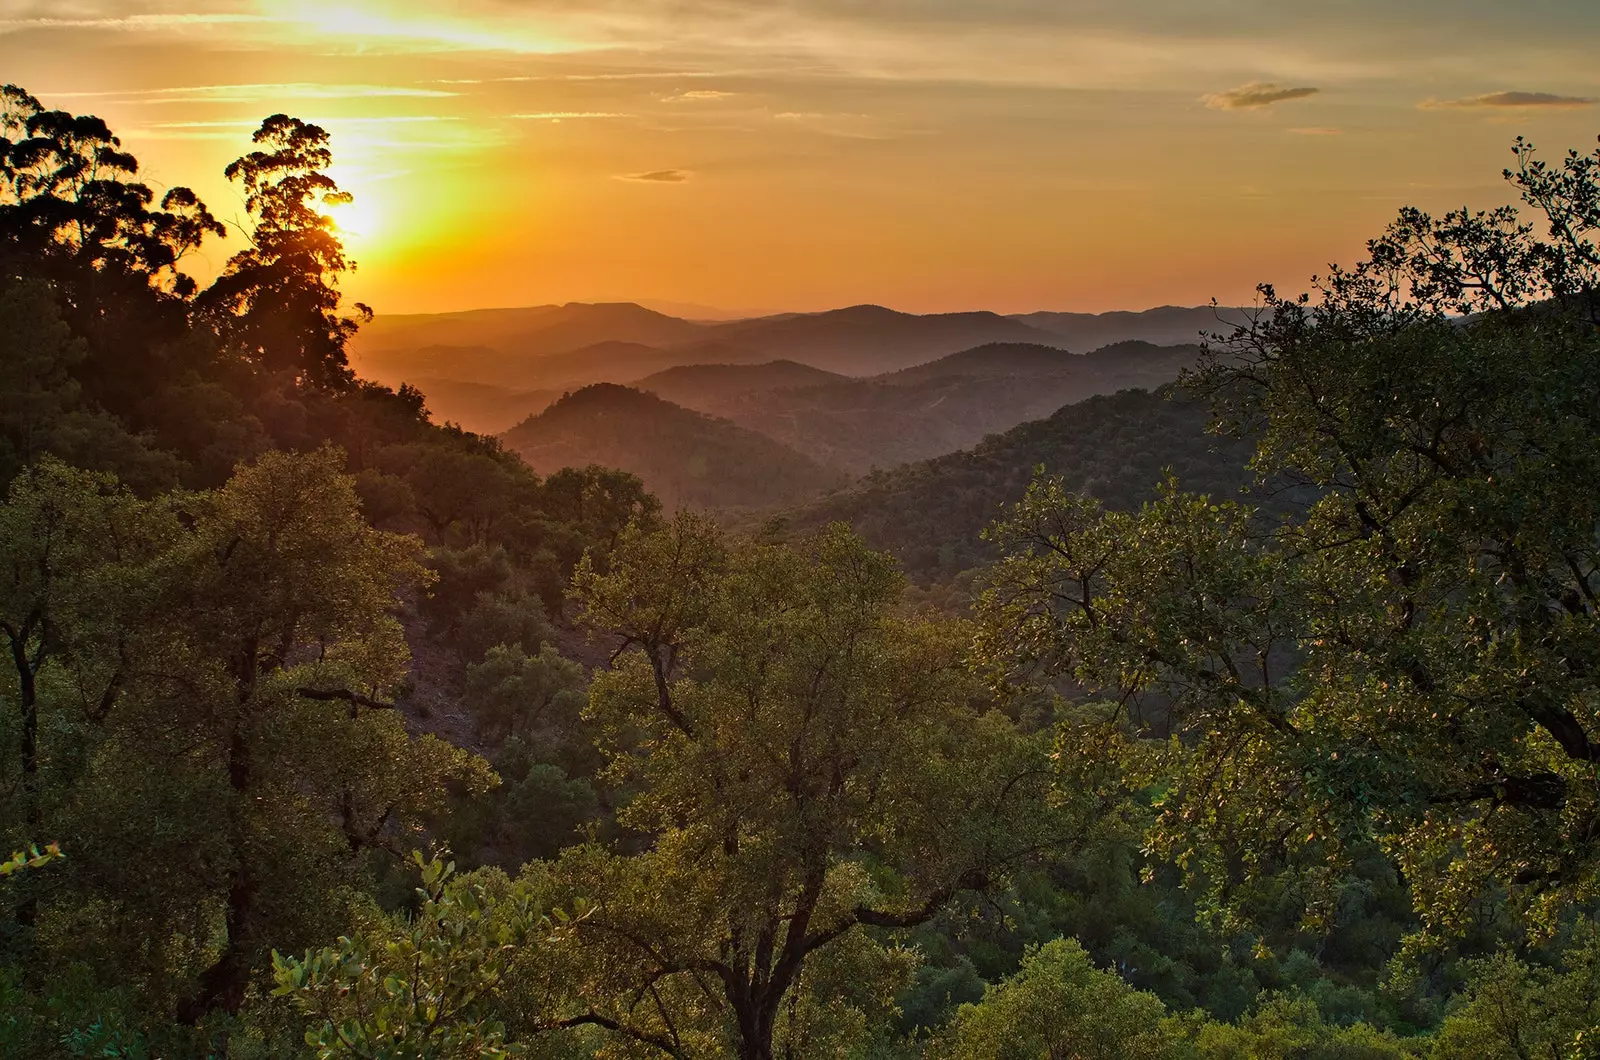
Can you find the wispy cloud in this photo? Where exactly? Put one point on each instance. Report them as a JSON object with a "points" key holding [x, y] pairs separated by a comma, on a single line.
{"points": [[564, 115], [700, 95], [260, 93], [1315, 130], [659, 176], [151, 22], [409, 119], [1510, 100], [1257, 94]]}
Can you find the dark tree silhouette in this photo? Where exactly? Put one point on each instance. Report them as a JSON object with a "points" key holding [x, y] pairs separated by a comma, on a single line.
{"points": [[279, 299]]}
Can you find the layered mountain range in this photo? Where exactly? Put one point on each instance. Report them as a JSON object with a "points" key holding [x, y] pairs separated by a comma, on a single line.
{"points": [[773, 411]]}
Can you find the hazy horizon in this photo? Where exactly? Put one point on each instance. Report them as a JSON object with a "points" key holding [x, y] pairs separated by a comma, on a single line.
{"points": [[1016, 156]]}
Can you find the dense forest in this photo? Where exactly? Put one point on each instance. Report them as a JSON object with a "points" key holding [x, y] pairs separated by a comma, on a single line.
{"points": [[330, 731]]}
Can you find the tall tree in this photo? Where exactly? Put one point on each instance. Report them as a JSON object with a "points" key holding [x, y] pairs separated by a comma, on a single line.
{"points": [[197, 710], [810, 766], [278, 300]]}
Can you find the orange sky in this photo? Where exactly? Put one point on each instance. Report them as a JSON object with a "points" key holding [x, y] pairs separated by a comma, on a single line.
{"points": [[804, 154]]}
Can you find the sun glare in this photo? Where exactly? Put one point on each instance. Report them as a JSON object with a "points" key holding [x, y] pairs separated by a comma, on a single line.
{"points": [[358, 220]]}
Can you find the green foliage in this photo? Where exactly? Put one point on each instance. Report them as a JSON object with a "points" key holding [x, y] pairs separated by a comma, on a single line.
{"points": [[513, 693], [808, 765], [1512, 1009], [1410, 660], [421, 987], [196, 706], [42, 408], [1292, 1029], [1059, 1004], [480, 600], [31, 858]]}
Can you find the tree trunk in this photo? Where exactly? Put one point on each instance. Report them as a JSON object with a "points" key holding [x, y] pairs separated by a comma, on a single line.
{"points": [[28, 752], [223, 985], [757, 1021]]}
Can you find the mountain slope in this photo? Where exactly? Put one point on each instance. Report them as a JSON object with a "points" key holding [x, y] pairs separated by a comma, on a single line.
{"points": [[685, 458], [1129, 364], [1166, 325], [870, 340], [535, 329], [480, 407], [693, 385], [950, 404], [1117, 448]]}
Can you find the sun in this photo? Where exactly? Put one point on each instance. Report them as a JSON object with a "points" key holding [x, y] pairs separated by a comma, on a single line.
{"points": [[357, 220]]}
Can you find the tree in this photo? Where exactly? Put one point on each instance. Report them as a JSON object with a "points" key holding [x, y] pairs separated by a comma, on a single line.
{"points": [[1412, 659], [67, 192], [288, 594], [1060, 1005], [423, 986], [513, 693], [1513, 1009], [278, 301], [809, 767], [196, 710]]}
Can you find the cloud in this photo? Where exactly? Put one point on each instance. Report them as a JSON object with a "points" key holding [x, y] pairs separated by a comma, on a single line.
{"points": [[700, 95], [1315, 130], [1257, 94], [260, 93], [563, 115], [659, 176], [148, 22], [1509, 99]]}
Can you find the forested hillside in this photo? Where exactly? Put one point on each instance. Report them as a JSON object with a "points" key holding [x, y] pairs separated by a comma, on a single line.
{"points": [[686, 459], [943, 406], [330, 732], [931, 515]]}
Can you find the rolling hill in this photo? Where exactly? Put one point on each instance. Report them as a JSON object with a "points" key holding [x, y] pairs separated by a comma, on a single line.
{"points": [[698, 385], [1114, 447], [513, 348], [531, 330], [686, 458], [479, 407], [869, 340], [950, 404], [1167, 325]]}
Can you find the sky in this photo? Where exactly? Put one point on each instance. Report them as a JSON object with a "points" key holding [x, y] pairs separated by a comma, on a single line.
{"points": [[765, 155]]}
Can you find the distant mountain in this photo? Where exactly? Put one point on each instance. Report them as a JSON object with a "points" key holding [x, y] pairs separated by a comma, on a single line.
{"points": [[940, 407], [870, 340], [535, 329], [685, 458], [564, 346], [1121, 365], [1115, 447], [697, 385], [621, 362], [480, 407], [1166, 325]]}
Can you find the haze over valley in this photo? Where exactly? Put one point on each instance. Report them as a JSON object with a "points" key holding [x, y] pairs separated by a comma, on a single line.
{"points": [[820, 530]]}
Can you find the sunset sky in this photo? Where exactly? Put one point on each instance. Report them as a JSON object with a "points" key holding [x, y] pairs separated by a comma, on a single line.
{"points": [[804, 154]]}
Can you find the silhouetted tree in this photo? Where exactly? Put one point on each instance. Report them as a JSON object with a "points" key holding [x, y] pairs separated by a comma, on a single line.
{"points": [[278, 300]]}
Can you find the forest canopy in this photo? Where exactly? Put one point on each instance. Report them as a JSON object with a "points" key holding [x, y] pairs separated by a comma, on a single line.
{"points": [[330, 731]]}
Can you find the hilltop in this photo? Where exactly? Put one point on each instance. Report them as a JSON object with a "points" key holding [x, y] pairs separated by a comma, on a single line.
{"points": [[686, 458]]}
